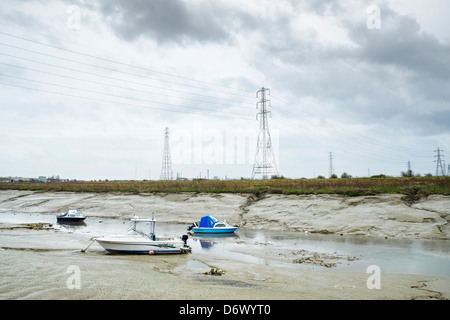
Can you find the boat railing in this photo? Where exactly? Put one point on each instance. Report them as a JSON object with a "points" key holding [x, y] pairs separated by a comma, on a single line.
{"points": [[134, 229], [151, 236]]}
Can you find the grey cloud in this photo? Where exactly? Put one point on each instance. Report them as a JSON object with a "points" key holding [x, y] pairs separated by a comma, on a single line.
{"points": [[167, 21], [22, 19], [323, 7], [375, 79], [384, 76], [423, 123], [401, 43]]}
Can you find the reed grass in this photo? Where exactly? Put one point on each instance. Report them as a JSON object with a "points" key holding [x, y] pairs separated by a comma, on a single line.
{"points": [[344, 186]]}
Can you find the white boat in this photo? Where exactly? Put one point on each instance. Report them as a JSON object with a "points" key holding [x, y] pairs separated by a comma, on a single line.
{"points": [[210, 225], [142, 242], [71, 215]]}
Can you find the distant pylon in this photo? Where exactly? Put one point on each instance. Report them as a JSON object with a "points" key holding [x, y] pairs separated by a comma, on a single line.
{"points": [[330, 169], [439, 167], [409, 172], [265, 163], [166, 170]]}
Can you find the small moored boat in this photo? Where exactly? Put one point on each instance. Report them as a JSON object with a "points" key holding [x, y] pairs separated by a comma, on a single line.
{"points": [[71, 215], [208, 224], [139, 241]]}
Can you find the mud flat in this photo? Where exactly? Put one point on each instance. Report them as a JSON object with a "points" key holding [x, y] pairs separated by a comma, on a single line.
{"points": [[378, 216], [38, 261], [40, 264]]}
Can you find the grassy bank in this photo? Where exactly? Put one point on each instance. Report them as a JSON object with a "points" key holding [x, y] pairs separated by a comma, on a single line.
{"points": [[350, 186]]}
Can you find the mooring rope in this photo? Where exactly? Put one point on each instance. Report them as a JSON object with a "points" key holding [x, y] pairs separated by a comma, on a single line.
{"points": [[92, 241]]}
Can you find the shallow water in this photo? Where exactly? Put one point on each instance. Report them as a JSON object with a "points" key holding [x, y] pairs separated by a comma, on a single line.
{"points": [[426, 257]]}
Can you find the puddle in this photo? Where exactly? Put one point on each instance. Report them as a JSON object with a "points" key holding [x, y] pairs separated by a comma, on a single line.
{"points": [[197, 266], [427, 257]]}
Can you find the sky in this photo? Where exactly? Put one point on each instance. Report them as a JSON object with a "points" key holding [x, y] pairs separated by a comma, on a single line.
{"points": [[87, 88]]}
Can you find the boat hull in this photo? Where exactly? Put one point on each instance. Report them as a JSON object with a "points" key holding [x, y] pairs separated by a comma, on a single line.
{"points": [[70, 219], [72, 215], [214, 230], [141, 245]]}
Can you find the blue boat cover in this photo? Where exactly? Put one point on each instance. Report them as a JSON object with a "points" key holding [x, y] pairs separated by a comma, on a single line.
{"points": [[208, 222]]}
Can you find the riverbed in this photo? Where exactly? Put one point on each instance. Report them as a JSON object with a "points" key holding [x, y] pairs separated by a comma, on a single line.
{"points": [[261, 261]]}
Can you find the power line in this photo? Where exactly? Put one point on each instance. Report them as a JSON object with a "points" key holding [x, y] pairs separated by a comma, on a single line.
{"points": [[352, 142], [367, 143], [359, 145], [121, 103], [103, 83], [106, 94], [115, 78], [349, 147], [358, 136], [113, 70], [122, 63]]}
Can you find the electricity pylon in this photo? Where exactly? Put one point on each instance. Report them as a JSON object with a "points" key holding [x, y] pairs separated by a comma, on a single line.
{"points": [[166, 169], [439, 167], [265, 163], [330, 169]]}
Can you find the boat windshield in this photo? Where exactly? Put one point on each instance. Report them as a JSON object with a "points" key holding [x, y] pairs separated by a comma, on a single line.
{"points": [[144, 228], [220, 225]]}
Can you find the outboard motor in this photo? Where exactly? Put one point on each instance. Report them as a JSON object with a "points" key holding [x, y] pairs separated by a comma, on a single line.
{"points": [[184, 237], [192, 226], [185, 248]]}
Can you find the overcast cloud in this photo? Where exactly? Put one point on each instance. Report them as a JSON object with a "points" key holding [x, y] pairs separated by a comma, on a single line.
{"points": [[89, 86]]}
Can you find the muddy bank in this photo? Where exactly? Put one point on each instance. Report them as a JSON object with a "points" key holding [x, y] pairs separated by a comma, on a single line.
{"points": [[377, 216], [39, 264], [37, 259]]}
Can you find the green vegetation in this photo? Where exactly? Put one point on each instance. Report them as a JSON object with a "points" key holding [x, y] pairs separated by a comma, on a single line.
{"points": [[345, 186]]}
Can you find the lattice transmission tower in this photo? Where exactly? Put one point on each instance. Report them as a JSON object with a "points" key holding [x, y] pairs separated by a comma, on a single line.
{"points": [[265, 163], [439, 167], [166, 169], [330, 168]]}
